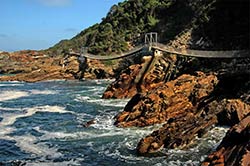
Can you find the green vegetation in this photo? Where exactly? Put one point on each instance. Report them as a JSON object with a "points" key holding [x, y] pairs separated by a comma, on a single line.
{"points": [[128, 21], [124, 25]]}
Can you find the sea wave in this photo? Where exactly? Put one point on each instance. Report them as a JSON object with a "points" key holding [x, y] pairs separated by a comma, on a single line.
{"points": [[28, 143], [43, 92], [10, 118], [11, 84], [10, 109], [104, 102], [16, 94], [12, 94]]}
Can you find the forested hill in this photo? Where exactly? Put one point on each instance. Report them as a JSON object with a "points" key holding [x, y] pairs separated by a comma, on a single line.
{"points": [[215, 24]]}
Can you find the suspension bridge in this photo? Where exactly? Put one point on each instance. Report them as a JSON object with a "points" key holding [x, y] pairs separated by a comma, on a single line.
{"points": [[151, 44], [153, 50]]}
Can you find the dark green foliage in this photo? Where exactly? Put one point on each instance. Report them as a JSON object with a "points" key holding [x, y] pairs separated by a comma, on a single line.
{"points": [[227, 24], [128, 21]]}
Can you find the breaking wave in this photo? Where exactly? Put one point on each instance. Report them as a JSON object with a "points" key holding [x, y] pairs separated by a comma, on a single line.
{"points": [[12, 94]]}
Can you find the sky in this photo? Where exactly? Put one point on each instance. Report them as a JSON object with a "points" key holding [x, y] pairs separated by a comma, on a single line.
{"points": [[39, 24]]}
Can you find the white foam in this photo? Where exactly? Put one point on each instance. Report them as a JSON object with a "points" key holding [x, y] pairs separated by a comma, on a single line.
{"points": [[67, 136], [109, 131], [42, 92], [96, 89], [9, 119], [10, 95], [28, 143], [10, 109], [111, 102], [8, 85], [47, 163], [5, 131], [180, 163], [14, 94], [76, 135], [82, 98], [104, 102], [56, 135]]}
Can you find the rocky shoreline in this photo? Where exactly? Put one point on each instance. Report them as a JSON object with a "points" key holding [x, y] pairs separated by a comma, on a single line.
{"points": [[187, 106], [33, 66]]}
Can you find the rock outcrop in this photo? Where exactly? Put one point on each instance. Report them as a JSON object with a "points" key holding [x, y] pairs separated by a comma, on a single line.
{"points": [[189, 106], [151, 73], [234, 148], [168, 101], [124, 86], [182, 129]]}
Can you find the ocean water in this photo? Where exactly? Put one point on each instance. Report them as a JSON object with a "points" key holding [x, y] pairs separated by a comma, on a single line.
{"points": [[43, 124]]}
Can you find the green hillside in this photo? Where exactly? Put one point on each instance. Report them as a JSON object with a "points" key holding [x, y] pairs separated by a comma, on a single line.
{"points": [[221, 23]]}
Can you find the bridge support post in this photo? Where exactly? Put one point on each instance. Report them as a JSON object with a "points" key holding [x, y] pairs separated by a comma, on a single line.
{"points": [[83, 65], [149, 62], [151, 38], [146, 61]]}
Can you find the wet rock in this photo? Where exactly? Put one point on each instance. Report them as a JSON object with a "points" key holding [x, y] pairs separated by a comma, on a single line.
{"points": [[179, 131], [182, 129], [89, 123], [234, 148], [233, 111]]}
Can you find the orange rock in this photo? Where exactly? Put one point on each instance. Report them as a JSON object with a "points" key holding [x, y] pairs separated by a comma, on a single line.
{"points": [[168, 101], [234, 148]]}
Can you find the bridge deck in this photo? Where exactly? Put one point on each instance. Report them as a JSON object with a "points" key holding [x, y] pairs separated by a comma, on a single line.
{"points": [[164, 48], [111, 57]]}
